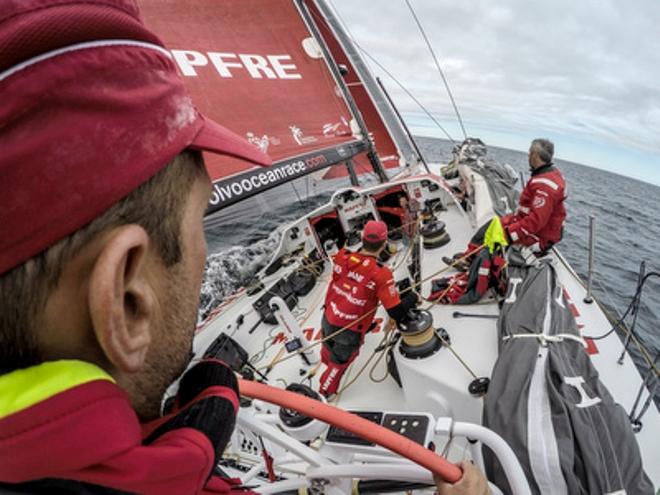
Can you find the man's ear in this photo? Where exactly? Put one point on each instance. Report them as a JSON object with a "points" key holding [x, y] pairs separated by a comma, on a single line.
{"points": [[122, 304]]}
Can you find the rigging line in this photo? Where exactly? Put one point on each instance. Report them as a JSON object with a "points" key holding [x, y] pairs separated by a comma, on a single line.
{"points": [[618, 324], [364, 367], [419, 104], [648, 378], [437, 64], [391, 76], [297, 195], [446, 342], [389, 342], [373, 311], [641, 346], [344, 25], [305, 316]]}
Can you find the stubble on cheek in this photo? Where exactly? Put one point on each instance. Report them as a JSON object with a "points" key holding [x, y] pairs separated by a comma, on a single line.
{"points": [[171, 346]]}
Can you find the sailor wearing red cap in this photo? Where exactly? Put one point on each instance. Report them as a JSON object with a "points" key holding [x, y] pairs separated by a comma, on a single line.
{"points": [[102, 252], [359, 283]]}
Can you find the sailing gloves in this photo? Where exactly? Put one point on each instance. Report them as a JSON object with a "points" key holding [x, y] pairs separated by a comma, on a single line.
{"points": [[400, 312], [207, 401]]}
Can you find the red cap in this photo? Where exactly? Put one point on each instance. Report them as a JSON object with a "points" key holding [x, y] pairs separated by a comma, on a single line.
{"points": [[375, 231], [92, 107]]}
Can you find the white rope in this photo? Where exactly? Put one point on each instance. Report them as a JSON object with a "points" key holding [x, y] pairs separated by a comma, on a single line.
{"points": [[546, 339]]}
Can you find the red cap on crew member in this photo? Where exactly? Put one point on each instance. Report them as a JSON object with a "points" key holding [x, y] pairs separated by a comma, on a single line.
{"points": [[375, 231], [92, 108]]}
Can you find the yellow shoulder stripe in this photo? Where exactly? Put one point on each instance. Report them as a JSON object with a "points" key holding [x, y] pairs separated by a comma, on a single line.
{"points": [[23, 388]]}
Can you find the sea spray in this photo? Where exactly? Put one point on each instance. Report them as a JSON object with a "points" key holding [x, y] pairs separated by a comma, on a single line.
{"points": [[233, 268]]}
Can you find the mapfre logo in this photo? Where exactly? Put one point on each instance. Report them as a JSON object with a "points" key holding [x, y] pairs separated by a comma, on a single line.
{"points": [[539, 201], [227, 65]]}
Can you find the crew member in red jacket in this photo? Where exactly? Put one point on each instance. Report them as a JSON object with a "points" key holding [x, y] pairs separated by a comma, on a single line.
{"points": [[539, 219], [538, 222], [359, 283]]}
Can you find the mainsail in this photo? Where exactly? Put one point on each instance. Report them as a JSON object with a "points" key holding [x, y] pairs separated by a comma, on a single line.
{"points": [[255, 66]]}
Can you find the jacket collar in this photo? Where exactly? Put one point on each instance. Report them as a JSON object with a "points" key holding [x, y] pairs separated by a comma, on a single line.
{"points": [[23, 388], [544, 169]]}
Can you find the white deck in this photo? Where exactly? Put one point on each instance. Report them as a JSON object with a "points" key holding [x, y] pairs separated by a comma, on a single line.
{"points": [[473, 340]]}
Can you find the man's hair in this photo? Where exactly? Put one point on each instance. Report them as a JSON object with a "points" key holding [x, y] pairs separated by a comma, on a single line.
{"points": [[372, 247], [156, 205], [544, 148]]}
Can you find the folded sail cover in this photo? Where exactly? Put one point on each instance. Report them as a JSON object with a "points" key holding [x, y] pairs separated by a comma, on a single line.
{"points": [[254, 66], [548, 403]]}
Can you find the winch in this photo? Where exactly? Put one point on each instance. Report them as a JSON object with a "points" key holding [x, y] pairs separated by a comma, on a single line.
{"points": [[419, 338], [434, 234], [298, 425]]}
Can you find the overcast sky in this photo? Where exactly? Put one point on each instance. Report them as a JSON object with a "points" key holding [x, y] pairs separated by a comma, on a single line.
{"points": [[585, 73]]}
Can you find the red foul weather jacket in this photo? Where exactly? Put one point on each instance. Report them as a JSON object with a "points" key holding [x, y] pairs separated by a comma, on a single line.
{"points": [[540, 216], [358, 282], [66, 427]]}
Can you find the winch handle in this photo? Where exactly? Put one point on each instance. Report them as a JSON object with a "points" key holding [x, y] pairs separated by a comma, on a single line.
{"points": [[355, 424]]}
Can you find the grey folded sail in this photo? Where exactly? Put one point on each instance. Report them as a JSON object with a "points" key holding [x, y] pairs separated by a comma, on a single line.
{"points": [[547, 401]]}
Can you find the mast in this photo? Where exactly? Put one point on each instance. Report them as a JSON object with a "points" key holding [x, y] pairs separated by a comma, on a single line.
{"points": [[334, 69], [380, 100], [351, 173]]}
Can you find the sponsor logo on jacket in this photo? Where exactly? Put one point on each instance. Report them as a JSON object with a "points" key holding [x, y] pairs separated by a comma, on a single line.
{"points": [[347, 295], [340, 313], [355, 276]]}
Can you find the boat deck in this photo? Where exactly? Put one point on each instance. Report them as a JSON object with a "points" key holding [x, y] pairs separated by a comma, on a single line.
{"points": [[438, 384]]}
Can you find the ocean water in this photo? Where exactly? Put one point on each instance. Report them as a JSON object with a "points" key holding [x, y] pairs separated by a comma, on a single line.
{"points": [[627, 214]]}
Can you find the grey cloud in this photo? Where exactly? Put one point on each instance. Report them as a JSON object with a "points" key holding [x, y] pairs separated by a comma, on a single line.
{"points": [[586, 66]]}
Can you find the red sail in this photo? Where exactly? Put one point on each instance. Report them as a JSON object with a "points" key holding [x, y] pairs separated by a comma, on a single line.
{"points": [[253, 66], [378, 132]]}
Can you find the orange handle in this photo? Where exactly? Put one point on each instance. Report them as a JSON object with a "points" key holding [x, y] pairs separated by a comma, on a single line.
{"points": [[354, 424]]}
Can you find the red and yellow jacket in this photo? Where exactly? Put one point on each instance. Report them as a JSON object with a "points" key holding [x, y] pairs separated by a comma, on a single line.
{"points": [[358, 282], [67, 421]]}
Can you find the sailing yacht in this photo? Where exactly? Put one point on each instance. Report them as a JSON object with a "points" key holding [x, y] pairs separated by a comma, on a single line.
{"points": [[525, 382]]}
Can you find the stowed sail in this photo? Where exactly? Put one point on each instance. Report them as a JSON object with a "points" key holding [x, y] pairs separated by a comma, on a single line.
{"points": [[255, 66], [547, 401]]}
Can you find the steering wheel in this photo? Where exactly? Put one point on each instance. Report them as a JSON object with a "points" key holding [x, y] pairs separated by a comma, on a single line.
{"points": [[353, 424]]}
